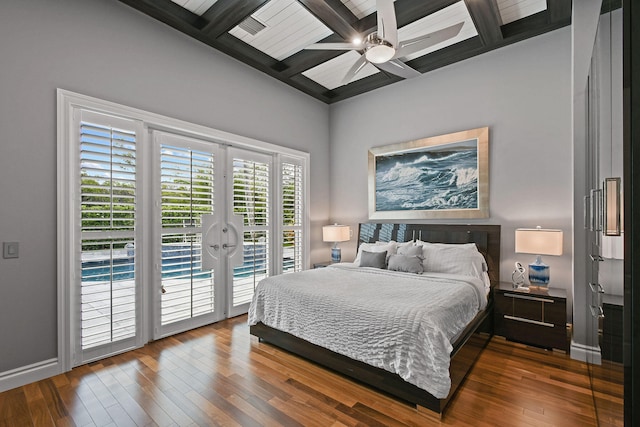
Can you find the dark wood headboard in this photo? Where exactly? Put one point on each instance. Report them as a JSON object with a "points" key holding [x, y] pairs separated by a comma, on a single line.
{"points": [[486, 237]]}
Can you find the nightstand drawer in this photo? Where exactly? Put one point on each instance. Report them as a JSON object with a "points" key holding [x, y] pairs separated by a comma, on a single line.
{"points": [[532, 308], [322, 264], [534, 316], [541, 335]]}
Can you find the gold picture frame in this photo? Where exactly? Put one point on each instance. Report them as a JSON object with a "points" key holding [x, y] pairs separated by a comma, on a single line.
{"points": [[445, 176]]}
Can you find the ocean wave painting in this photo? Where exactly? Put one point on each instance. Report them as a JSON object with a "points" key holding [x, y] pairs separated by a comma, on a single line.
{"points": [[442, 177]]}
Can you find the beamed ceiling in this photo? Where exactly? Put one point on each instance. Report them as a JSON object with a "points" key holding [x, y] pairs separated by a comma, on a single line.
{"points": [[271, 35]]}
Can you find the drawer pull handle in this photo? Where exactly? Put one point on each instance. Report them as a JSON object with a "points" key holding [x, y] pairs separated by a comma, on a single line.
{"points": [[535, 322], [596, 288], [596, 258], [528, 297]]}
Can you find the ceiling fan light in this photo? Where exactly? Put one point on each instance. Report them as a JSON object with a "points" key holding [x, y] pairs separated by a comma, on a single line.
{"points": [[379, 53]]}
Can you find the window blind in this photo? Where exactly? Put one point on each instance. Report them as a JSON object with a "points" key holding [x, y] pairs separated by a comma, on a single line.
{"points": [[187, 186], [251, 200], [108, 221], [292, 215]]}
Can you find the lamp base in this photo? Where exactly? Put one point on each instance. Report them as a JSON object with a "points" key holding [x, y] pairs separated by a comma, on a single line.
{"points": [[335, 255], [539, 273]]}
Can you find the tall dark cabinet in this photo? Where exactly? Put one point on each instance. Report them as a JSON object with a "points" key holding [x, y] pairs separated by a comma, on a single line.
{"points": [[631, 108]]}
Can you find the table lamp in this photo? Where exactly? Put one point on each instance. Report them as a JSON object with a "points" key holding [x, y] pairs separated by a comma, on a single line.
{"points": [[336, 233], [539, 241]]}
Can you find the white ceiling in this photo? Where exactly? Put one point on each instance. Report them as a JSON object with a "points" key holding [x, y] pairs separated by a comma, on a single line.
{"points": [[196, 6], [512, 10], [330, 73], [290, 27], [361, 8]]}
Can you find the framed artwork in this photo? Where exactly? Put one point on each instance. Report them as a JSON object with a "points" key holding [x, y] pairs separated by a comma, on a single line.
{"points": [[444, 176]]}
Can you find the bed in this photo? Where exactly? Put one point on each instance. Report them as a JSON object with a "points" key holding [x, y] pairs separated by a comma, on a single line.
{"points": [[412, 373]]}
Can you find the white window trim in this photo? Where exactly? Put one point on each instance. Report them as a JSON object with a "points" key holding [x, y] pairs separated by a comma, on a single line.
{"points": [[67, 103]]}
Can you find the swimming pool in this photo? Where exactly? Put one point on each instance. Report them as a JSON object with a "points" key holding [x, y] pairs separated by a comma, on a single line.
{"points": [[177, 260]]}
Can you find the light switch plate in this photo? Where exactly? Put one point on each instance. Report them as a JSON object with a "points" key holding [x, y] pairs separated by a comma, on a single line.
{"points": [[10, 250]]}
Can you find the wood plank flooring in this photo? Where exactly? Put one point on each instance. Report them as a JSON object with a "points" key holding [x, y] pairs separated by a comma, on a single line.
{"points": [[220, 375]]}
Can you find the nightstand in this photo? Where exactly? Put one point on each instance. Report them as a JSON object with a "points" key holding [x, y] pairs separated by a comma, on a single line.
{"points": [[535, 316], [322, 264]]}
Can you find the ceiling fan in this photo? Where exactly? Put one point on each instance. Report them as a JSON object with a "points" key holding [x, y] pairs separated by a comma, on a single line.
{"points": [[382, 48]]}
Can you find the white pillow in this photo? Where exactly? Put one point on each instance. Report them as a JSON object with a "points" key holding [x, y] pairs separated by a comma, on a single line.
{"points": [[461, 259], [450, 245], [390, 247]]}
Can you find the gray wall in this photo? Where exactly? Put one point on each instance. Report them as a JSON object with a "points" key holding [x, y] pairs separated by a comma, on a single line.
{"points": [[108, 50], [522, 92]]}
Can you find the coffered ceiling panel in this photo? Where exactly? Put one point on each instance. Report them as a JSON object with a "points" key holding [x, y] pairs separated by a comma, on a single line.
{"points": [[275, 36], [196, 6], [361, 8], [443, 18], [283, 28], [329, 74], [512, 10]]}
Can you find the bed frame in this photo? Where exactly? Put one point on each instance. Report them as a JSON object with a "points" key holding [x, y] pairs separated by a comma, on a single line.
{"points": [[465, 349]]}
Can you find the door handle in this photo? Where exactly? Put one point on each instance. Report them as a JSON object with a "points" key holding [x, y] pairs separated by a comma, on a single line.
{"points": [[586, 212], [210, 249], [597, 311], [596, 288], [596, 210], [235, 224]]}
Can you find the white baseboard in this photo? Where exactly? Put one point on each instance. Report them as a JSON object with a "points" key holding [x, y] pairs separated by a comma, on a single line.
{"points": [[28, 374], [586, 353]]}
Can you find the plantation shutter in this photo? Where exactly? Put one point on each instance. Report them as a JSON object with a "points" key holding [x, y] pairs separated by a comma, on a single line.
{"points": [[251, 201], [292, 191], [187, 187], [108, 193]]}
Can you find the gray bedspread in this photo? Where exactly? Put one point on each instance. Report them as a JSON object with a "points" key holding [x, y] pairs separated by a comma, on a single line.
{"points": [[400, 322]]}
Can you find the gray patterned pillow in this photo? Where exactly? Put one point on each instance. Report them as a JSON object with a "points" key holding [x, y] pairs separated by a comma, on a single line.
{"points": [[410, 250], [374, 259], [406, 263]]}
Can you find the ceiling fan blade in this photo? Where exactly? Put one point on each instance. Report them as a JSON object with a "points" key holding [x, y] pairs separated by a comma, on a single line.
{"points": [[408, 47], [355, 69], [399, 68], [387, 24], [334, 46]]}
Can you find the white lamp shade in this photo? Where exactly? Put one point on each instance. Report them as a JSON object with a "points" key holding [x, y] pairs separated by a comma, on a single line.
{"points": [[539, 241], [336, 233]]}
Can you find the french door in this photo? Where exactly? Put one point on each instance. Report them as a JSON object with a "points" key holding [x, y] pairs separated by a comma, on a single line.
{"points": [[250, 206], [213, 238], [106, 312], [190, 290], [161, 232]]}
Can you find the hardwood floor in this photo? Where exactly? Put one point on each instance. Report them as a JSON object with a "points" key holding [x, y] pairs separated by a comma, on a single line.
{"points": [[220, 375]]}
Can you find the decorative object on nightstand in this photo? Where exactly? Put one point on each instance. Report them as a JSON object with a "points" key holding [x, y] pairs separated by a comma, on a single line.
{"points": [[539, 241], [336, 233], [518, 277]]}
